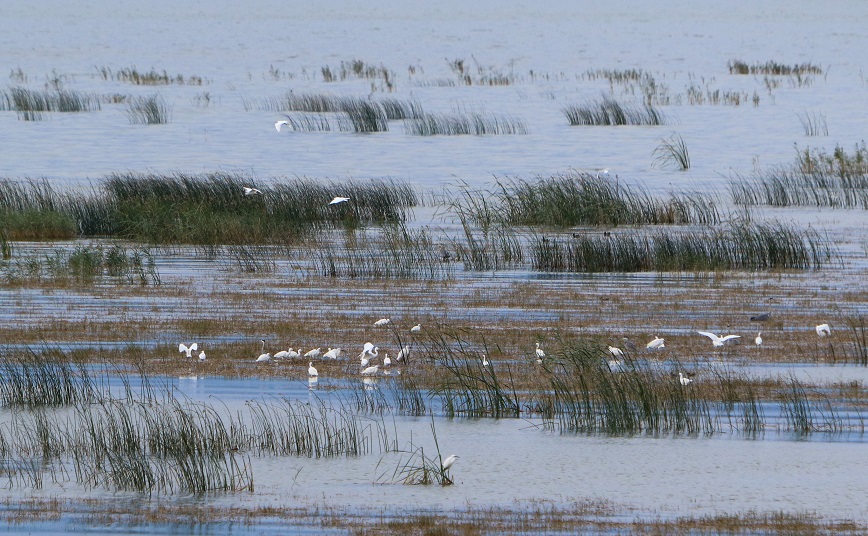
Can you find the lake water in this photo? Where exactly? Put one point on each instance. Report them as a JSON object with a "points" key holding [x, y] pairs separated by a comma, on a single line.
{"points": [[258, 50]]}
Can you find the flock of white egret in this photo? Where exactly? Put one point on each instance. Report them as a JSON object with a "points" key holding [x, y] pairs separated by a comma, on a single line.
{"points": [[249, 190]]}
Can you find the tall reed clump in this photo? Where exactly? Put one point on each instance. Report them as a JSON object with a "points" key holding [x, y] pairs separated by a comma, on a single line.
{"points": [[488, 242], [30, 104], [611, 112], [393, 253], [350, 114], [475, 124], [43, 379], [575, 198], [467, 388], [421, 470], [816, 178], [131, 75], [738, 246], [34, 211], [672, 151], [589, 397], [150, 110], [773, 68]]}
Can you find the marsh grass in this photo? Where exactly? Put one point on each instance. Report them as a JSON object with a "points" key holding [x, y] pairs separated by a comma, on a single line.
{"points": [[813, 123], [150, 110], [672, 151], [418, 469], [45, 379], [737, 246], [488, 243], [773, 68], [575, 198], [131, 75], [816, 178], [475, 124], [85, 264], [31, 105], [611, 112], [351, 114]]}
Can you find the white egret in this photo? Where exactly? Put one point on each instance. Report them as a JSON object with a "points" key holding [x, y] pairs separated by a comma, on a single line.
{"points": [[448, 462], [188, 350], [386, 361], [540, 354], [374, 353], [655, 344], [382, 322], [759, 338], [313, 353], [338, 199], [416, 329], [293, 354], [823, 330], [683, 379], [364, 361], [282, 123], [404, 352], [370, 371], [251, 191], [368, 348], [484, 361], [718, 341], [615, 351], [311, 370], [283, 353], [333, 353], [202, 355]]}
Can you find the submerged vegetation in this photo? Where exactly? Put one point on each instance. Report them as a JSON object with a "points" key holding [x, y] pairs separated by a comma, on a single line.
{"points": [[31, 105]]}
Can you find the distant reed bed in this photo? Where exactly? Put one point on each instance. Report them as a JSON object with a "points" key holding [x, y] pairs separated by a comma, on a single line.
{"points": [[31, 105], [736, 246], [816, 178], [131, 75], [326, 112], [773, 68], [611, 112], [208, 208]]}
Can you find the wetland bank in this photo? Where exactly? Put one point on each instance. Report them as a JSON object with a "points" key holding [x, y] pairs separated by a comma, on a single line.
{"points": [[568, 179]]}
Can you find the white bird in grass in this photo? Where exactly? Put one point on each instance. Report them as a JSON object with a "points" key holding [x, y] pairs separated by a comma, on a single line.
{"points": [[484, 361], [282, 123], [263, 356], [416, 329], [367, 349], [374, 353], [370, 371], [683, 379], [188, 350], [759, 338], [202, 355], [718, 341], [616, 352], [293, 354], [386, 361], [283, 353], [540, 354], [311, 370], [405, 351], [313, 353], [655, 344], [448, 462], [333, 353], [823, 330], [338, 199], [382, 322], [251, 191]]}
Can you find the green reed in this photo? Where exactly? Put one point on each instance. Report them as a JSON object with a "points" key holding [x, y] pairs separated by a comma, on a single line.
{"points": [[30, 104], [474, 124], [611, 112], [149, 110], [773, 68]]}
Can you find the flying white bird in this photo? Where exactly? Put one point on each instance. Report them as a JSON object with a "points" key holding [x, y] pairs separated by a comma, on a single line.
{"points": [[251, 191], [447, 463], [683, 379], [718, 341], [188, 350], [382, 322], [311, 371], [338, 199], [759, 338], [655, 344], [333, 353], [616, 352], [823, 330], [313, 353], [416, 329], [202, 355], [282, 123], [370, 371]]}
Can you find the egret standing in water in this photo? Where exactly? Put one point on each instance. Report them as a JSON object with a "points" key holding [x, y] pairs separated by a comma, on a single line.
{"points": [[759, 338], [540, 354], [823, 330], [683, 379], [311, 371], [202, 356], [448, 462], [416, 329]]}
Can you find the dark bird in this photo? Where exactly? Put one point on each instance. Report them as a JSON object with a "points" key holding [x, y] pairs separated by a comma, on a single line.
{"points": [[761, 318]]}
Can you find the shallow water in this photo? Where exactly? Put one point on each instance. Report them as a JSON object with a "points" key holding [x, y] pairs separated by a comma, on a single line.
{"points": [[233, 45]]}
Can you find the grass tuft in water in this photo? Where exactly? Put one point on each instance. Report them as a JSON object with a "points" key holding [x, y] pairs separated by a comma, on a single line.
{"points": [[672, 151], [611, 112], [150, 110], [475, 124]]}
